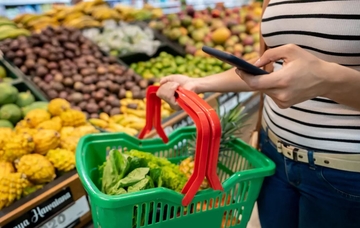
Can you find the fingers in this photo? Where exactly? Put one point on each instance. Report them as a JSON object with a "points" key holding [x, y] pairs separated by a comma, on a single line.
{"points": [[166, 92], [284, 52], [166, 79], [170, 78], [262, 82]]}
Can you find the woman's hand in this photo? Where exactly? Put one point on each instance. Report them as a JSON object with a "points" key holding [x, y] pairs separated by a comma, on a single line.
{"points": [[169, 84], [301, 78]]}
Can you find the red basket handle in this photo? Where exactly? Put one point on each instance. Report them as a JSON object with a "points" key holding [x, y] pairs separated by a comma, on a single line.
{"points": [[215, 136], [207, 142]]}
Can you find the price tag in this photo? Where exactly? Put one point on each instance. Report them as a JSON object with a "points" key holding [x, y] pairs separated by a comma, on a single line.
{"points": [[67, 217]]}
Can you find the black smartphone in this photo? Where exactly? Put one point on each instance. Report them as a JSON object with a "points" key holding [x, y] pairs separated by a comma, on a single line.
{"points": [[234, 61]]}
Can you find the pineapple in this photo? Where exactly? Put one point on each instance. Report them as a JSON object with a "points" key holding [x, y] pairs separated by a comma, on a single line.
{"points": [[37, 168], [63, 160], [231, 124], [11, 188]]}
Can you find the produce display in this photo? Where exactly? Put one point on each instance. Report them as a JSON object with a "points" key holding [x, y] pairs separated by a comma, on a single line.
{"points": [[84, 15], [39, 148], [65, 64], [4, 77], [123, 38], [9, 29], [233, 30], [166, 64], [132, 119]]}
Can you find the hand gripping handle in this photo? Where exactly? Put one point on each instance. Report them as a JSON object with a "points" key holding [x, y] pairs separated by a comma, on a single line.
{"points": [[208, 136]]}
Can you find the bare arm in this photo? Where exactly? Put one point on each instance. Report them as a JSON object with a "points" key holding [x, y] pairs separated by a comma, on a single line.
{"points": [[344, 85], [227, 81]]}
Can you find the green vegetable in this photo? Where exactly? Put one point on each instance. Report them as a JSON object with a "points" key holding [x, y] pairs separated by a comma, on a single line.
{"points": [[163, 172], [139, 185], [113, 171], [133, 177], [155, 174], [135, 171]]}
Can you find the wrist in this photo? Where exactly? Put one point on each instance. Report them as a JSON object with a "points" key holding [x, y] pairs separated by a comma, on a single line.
{"points": [[325, 73], [198, 85]]}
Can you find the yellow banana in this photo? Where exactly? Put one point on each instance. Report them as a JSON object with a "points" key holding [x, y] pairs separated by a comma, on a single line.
{"points": [[138, 113], [104, 116], [30, 18], [129, 119], [73, 16], [117, 118], [116, 127], [14, 33], [48, 20], [136, 125], [77, 21], [19, 18], [99, 123], [130, 131]]}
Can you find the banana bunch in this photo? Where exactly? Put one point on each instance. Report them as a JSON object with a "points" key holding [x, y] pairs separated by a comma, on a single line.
{"points": [[102, 13], [81, 22], [35, 22], [9, 29], [114, 123], [132, 120], [88, 7]]}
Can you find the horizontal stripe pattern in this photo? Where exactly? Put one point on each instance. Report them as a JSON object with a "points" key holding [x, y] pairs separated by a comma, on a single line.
{"points": [[329, 29]]}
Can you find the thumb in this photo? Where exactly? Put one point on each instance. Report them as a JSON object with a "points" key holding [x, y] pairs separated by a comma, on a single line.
{"points": [[275, 54]]}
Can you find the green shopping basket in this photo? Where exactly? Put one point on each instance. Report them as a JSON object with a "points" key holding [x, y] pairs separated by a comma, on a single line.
{"points": [[241, 170]]}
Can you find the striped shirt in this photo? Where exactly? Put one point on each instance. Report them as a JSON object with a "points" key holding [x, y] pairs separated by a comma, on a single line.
{"points": [[331, 31]]}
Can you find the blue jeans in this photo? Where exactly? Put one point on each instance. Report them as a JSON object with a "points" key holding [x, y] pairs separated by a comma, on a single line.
{"points": [[301, 195]]}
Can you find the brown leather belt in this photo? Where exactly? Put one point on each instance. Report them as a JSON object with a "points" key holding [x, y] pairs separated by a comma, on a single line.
{"points": [[346, 162]]}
